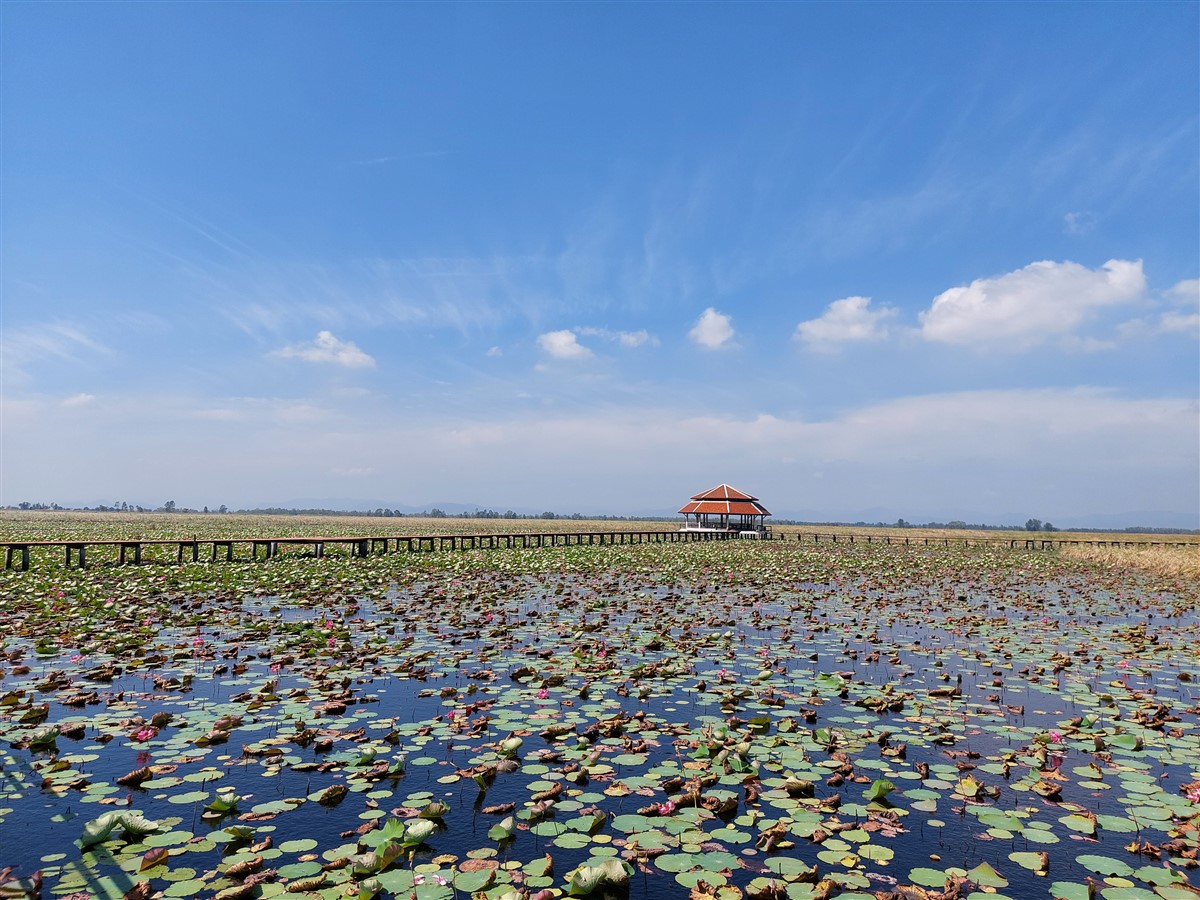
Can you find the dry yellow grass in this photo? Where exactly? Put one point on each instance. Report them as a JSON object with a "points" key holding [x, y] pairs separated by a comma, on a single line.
{"points": [[1167, 561]]}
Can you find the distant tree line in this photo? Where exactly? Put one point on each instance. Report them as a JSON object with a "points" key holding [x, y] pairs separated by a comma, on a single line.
{"points": [[119, 506]]}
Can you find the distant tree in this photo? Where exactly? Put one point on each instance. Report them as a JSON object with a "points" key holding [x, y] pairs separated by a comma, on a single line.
{"points": [[223, 508], [900, 523], [957, 523], [206, 509], [549, 515], [1033, 525], [169, 506], [1048, 527], [436, 513]]}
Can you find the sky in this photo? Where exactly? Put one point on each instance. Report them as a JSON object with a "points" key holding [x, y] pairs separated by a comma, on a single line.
{"points": [[861, 260]]}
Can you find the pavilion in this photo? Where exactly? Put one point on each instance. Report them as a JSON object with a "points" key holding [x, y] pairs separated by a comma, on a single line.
{"points": [[724, 508]]}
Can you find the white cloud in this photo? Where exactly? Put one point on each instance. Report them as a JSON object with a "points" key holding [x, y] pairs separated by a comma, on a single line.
{"points": [[79, 400], [630, 339], [635, 338], [563, 345], [1023, 308], [1078, 223], [1184, 323], [494, 352], [712, 330], [1032, 452], [1184, 318], [1186, 293], [848, 319], [328, 349]]}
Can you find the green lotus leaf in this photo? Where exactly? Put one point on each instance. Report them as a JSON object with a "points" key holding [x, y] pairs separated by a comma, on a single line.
{"points": [[587, 879], [434, 810], [503, 830], [879, 789], [927, 877], [130, 822], [418, 831], [986, 876], [1065, 890], [1104, 865]]}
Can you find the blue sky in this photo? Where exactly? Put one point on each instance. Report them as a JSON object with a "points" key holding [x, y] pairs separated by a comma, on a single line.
{"points": [[925, 260]]}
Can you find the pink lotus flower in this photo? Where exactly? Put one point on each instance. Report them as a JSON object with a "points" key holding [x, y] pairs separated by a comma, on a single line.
{"points": [[1194, 794], [76, 657], [665, 809], [145, 733], [1056, 737], [197, 641], [147, 621], [419, 878], [332, 642], [543, 694]]}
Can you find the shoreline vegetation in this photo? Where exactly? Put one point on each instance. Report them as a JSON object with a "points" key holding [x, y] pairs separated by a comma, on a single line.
{"points": [[1179, 561], [170, 508]]}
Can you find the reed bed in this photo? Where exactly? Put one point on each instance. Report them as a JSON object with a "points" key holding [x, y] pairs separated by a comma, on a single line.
{"points": [[1166, 561]]}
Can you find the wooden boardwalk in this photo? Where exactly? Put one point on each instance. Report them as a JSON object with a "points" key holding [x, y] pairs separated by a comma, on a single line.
{"points": [[231, 549], [252, 549], [1029, 543]]}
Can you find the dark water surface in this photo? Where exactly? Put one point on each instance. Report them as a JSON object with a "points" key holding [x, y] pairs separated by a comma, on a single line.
{"points": [[733, 715]]}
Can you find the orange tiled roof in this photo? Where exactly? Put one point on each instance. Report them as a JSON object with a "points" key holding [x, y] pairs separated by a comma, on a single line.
{"points": [[725, 507], [723, 492], [724, 499]]}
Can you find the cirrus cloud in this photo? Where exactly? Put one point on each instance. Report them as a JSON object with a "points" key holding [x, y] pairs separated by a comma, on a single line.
{"points": [[1021, 309]]}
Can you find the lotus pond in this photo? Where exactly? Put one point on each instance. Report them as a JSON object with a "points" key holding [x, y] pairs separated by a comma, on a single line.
{"points": [[707, 720]]}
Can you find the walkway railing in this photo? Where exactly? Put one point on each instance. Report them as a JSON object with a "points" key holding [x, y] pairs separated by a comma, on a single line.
{"points": [[230, 549], [1029, 543]]}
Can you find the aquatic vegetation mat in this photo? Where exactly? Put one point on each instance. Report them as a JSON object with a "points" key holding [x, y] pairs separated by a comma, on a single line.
{"points": [[712, 720]]}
